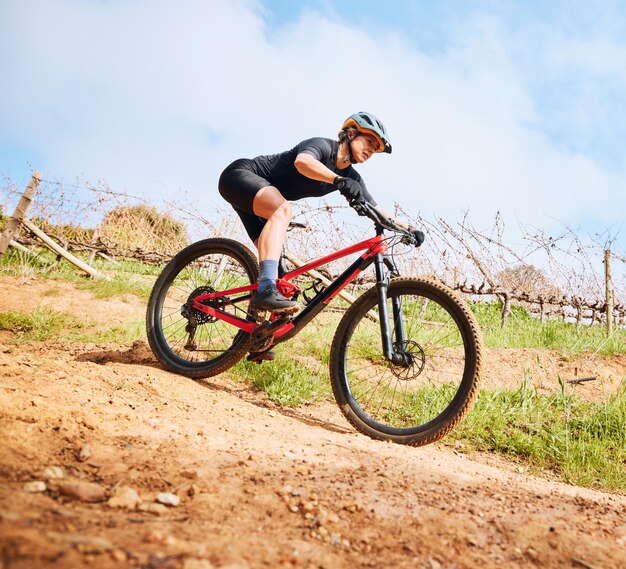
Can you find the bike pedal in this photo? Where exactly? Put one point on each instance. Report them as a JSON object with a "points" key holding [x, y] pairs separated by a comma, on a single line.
{"points": [[260, 357]]}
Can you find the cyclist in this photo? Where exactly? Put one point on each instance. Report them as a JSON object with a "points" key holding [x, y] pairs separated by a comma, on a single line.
{"points": [[260, 189]]}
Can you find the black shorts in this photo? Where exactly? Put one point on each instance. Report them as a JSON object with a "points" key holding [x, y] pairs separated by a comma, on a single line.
{"points": [[238, 185]]}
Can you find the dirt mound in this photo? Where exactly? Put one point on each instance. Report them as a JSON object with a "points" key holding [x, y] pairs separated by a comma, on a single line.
{"points": [[138, 353], [108, 460]]}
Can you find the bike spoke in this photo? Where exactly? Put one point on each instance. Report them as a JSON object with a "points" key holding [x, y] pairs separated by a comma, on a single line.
{"points": [[190, 334], [404, 396]]}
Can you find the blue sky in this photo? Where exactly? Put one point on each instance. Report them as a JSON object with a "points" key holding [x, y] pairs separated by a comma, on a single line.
{"points": [[503, 106]]}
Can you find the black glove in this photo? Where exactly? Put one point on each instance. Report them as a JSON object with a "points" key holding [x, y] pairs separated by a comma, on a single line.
{"points": [[349, 188], [417, 235]]}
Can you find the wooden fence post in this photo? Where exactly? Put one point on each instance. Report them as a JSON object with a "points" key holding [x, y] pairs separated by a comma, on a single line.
{"points": [[20, 212], [62, 252], [609, 292]]}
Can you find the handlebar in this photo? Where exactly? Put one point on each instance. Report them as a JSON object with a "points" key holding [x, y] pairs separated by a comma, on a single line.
{"points": [[365, 209]]}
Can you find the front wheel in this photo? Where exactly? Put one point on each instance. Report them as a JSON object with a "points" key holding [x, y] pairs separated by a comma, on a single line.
{"points": [[434, 380], [188, 341]]}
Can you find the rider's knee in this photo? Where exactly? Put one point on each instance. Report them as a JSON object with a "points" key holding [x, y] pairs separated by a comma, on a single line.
{"points": [[284, 211]]}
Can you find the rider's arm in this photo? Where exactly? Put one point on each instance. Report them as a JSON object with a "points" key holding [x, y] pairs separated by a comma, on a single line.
{"points": [[311, 167]]}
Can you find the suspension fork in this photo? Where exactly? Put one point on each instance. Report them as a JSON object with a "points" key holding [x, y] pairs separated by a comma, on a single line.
{"points": [[382, 285]]}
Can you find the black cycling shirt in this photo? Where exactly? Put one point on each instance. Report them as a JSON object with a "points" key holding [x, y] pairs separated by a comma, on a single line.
{"points": [[279, 169]]}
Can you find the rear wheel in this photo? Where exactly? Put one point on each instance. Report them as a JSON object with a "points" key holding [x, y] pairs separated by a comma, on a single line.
{"points": [[426, 394], [188, 341]]}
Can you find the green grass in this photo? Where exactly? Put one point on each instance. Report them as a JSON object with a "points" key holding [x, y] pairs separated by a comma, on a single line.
{"points": [[117, 287], [128, 277], [126, 332], [45, 325], [584, 443], [525, 331], [40, 325], [286, 381]]}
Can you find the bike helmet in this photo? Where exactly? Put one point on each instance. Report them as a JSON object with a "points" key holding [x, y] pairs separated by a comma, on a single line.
{"points": [[367, 123]]}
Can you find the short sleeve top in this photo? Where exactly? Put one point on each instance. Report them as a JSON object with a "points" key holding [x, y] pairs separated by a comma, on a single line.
{"points": [[279, 169]]}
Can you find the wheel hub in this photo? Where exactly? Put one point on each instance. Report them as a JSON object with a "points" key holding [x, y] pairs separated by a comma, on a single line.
{"points": [[409, 360]]}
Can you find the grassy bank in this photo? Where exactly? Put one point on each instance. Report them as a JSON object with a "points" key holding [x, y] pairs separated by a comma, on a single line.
{"points": [[584, 443], [525, 331], [581, 442]]}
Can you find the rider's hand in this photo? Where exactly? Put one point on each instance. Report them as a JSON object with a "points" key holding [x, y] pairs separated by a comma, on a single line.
{"points": [[349, 188], [417, 235]]}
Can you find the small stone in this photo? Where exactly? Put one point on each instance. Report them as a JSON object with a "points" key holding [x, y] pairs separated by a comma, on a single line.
{"points": [[90, 420], [34, 487], [94, 545], [84, 544], [352, 506], [333, 518], [193, 490], [124, 497], [152, 508], [85, 453], [119, 555], [168, 499], [84, 491], [115, 470], [154, 536], [192, 563], [532, 554], [53, 472]]}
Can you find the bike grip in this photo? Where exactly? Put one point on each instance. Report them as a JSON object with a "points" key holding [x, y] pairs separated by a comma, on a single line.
{"points": [[419, 237]]}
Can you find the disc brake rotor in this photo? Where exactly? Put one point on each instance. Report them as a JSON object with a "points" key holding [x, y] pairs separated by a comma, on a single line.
{"points": [[415, 360]]}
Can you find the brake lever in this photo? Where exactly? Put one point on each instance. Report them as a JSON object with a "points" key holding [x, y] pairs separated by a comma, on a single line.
{"points": [[360, 207]]}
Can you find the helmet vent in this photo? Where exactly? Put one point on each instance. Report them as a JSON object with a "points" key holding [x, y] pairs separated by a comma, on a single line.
{"points": [[367, 119]]}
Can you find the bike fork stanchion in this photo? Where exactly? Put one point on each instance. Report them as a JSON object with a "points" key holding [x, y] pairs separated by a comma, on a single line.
{"points": [[398, 321], [382, 284]]}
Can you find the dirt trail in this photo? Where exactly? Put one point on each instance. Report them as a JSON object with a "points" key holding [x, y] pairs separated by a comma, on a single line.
{"points": [[259, 486]]}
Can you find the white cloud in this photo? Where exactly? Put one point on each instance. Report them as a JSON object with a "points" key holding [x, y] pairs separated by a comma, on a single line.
{"points": [[156, 97], [597, 57]]}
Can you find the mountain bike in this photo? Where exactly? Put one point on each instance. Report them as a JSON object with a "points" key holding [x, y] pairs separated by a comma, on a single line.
{"points": [[405, 358]]}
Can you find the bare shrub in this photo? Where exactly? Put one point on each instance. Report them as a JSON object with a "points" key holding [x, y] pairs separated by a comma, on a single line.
{"points": [[142, 227], [529, 280]]}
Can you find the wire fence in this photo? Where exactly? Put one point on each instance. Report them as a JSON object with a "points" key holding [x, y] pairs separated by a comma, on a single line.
{"points": [[562, 275]]}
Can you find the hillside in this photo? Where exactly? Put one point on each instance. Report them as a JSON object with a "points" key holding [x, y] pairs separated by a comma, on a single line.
{"points": [[250, 484]]}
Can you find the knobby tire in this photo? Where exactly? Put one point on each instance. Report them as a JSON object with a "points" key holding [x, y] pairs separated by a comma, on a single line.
{"points": [[420, 402], [205, 266]]}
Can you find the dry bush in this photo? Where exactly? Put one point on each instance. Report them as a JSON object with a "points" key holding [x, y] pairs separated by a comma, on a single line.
{"points": [[66, 232], [528, 279], [143, 227]]}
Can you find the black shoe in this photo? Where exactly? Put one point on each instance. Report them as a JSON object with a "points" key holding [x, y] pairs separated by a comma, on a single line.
{"points": [[273, 301], [258, 357]]}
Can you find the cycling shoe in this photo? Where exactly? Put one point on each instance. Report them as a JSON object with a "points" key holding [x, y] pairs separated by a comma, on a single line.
{"points": [[273, 301]]}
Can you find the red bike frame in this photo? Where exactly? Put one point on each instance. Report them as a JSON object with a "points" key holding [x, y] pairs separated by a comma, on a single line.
{"points": [[210, 303]]}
